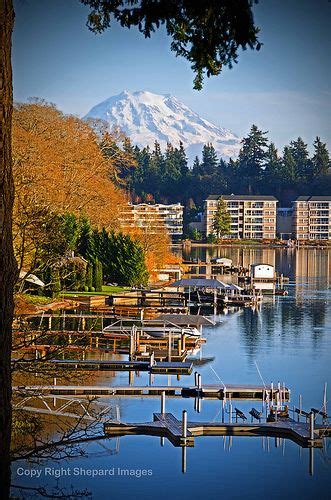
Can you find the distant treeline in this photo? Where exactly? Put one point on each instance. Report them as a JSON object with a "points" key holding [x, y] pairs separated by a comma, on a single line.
{"points": [[260, 169]]}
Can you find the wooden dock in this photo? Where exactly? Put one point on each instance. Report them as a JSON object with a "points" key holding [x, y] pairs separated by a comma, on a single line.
{"points": [[167, 425], [235, 392], [139, 347], [158, 367]]}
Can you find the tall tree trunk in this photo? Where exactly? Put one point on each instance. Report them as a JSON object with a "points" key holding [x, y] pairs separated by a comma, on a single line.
{"points": [[8, 268]]}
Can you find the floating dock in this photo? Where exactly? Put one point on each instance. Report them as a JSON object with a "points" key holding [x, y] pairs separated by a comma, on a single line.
{"points": [[235, 392], [172, 367], [180, 433]]}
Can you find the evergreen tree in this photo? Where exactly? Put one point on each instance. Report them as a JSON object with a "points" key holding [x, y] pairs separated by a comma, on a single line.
{"points": [[222, 220], [300, 156], [321, 159], [85, 240], [196, 168], [98, 276], [89, 277], [209, 160], [181, 159], [272, 172], [288, 166], [252, 158]]}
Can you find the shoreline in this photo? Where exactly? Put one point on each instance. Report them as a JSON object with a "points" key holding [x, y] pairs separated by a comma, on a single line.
{"points": [[249, 245]]}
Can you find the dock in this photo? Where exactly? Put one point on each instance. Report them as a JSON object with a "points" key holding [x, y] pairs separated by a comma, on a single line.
{"points": [[158, 367], [216, 391], [179, 434]]}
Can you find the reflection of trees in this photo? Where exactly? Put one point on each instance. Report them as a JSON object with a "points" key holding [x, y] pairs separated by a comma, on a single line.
{"points": [[251, 329], [285, 317]]}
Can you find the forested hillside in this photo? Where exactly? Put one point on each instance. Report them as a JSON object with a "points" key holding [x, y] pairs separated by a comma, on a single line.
{"points": [[259, 169]]}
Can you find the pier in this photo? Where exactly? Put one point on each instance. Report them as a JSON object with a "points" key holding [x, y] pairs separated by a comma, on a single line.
{"points": [[167, 425], [158, 367], [216, 391]]}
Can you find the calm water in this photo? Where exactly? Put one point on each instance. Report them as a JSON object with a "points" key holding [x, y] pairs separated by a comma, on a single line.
{"points": [[289, 339]]}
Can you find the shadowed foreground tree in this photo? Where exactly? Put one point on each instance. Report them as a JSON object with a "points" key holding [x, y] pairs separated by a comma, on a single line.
{"points": [[7, 262], [208, 34]]}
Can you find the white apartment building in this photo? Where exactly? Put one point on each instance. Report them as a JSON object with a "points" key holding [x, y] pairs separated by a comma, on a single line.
{"points": [[312, 218], [252, 217], [155, 218]]}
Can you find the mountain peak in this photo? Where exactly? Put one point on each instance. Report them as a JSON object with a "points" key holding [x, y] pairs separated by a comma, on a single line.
{"points": [[146, 117]]}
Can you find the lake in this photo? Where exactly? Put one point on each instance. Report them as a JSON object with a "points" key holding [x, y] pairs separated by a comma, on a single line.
{"points": [[288, 339]]}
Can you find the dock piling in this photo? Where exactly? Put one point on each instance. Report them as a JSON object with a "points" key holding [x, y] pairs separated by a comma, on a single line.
{"points": [[199, 381], [230, 409], [311, 426], [184, 459], [163, 402], [184, 424], [300, 407]]}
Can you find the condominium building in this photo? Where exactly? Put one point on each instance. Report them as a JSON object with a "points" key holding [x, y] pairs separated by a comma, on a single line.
{"points": [[312, 218], [252, 217], [154, 218]]}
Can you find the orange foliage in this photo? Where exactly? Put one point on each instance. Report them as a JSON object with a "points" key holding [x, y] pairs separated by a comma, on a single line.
{"points": [[58, 163], [61, 164]]}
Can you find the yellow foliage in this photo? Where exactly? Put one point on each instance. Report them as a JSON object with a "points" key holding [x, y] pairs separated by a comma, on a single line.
{"points": [[59, 167], [58, 164]]}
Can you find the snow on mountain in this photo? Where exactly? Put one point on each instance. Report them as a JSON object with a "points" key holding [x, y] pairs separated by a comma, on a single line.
{"points": [[146, 117]]}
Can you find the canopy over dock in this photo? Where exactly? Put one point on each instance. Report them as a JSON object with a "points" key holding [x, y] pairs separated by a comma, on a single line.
{"points": [[205, 283], [184, 320]]}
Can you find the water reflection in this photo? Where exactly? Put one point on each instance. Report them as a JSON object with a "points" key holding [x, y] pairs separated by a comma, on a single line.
{"points": [[290, 339]]}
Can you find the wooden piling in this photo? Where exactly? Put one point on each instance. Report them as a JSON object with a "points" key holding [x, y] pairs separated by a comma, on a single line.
{"points": [[184, 424], [311, 425], [163, 402]]}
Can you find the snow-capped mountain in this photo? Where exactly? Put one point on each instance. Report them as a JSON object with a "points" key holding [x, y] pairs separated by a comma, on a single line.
{"points": [[146, 117]]}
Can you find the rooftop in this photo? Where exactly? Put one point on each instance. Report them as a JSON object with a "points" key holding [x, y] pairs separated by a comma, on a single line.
{"points": [[242, 197], [204, 283], [313, 198]]}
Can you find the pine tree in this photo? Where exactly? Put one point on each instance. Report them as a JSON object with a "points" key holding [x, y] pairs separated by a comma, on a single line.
{"points": [[300, 156], [209, 160], [321, 159], [98, 276], [181, 159], [89, 277], [196, 168], [252, 157], [222, 220], [288, 166], [272, 171], [85, 240]]}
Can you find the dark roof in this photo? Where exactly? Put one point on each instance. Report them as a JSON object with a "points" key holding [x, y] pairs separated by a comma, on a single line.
{"points": [[202, 283], [184, 319], [313, 198], [242, 197], [213, 197]]}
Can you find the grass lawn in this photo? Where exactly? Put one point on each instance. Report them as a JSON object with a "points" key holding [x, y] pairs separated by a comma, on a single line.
{"points": [[37, 300]]}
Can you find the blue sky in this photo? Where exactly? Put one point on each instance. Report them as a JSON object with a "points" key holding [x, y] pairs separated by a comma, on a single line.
{"points": [[284, 88]]}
